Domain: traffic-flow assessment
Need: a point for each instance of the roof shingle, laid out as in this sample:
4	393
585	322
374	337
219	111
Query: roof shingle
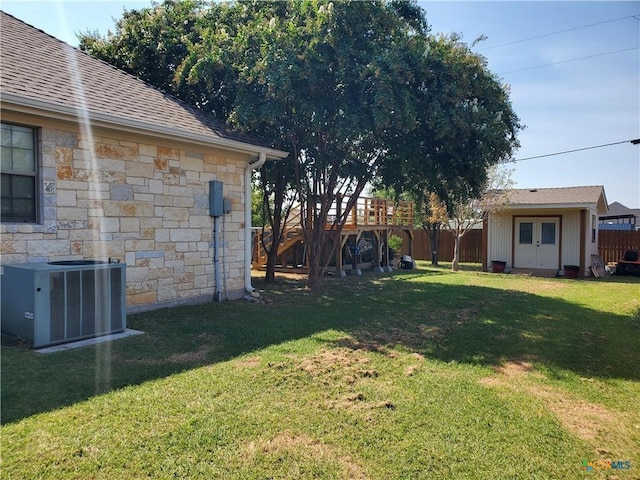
553	196
41	68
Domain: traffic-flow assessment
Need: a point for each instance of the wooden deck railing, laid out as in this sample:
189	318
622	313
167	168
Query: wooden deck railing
367	212
371	212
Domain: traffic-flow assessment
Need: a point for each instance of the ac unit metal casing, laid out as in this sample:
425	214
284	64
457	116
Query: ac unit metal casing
49	304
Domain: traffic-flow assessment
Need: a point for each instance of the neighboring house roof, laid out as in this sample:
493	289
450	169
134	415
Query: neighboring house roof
565	197
617	210
43	73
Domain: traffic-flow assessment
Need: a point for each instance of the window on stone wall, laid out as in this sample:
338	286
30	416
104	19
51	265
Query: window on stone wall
594	224
18	192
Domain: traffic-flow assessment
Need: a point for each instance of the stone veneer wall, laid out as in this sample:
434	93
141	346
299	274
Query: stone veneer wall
139	202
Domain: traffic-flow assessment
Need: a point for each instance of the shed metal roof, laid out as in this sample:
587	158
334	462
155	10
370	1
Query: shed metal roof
41	72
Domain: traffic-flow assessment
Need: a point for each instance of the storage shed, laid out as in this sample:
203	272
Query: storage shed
552	231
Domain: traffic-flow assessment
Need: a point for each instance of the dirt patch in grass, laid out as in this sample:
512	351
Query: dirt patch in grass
542	286
195	356
342	370
186	358
585	420
366	346
508	371
349	364
249	362
588	421
358	401
303	448
410	370
412	335
515	367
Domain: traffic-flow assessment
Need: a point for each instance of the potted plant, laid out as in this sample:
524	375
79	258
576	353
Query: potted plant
571	271
395	243
497	266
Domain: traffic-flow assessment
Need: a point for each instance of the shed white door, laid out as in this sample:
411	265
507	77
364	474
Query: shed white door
537	242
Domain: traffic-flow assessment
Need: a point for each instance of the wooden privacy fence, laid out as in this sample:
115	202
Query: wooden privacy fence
611	245
470	246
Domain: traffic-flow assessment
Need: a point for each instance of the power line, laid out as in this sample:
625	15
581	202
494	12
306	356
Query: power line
556	33
633	142
570	60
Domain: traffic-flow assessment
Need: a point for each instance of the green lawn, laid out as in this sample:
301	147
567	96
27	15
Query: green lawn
404	375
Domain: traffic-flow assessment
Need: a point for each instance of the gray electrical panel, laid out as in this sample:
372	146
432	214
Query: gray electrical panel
216	200
59	302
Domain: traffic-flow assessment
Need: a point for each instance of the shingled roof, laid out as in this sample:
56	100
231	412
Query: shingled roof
617	210
563	197
40	71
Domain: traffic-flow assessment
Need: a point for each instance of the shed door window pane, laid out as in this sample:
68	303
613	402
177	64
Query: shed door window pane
526	233
548	236
18	197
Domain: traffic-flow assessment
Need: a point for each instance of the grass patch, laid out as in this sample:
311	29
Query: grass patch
411	374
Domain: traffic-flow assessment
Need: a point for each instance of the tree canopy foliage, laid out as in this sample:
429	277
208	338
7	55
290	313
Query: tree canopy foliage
358	92
465	126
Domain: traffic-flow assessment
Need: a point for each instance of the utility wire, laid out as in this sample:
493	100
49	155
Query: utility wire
556	33
634	142
570	60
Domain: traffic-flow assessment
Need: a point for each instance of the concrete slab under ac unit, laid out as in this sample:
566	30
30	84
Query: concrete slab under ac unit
89	341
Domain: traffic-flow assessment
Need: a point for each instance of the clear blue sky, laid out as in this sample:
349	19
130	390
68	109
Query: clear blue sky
575	103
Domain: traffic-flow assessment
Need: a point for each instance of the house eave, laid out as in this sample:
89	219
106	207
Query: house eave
550	206
20	104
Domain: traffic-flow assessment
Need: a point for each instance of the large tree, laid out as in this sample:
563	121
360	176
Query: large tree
152	43
465	126
327	82
354	90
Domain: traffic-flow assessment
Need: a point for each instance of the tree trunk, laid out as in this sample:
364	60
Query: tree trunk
277	219
272	256
270	274
314	279
435	244
456	252
272	252
433	232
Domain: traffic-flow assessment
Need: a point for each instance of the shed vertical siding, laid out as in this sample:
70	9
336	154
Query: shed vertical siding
499	238
592	225
570	238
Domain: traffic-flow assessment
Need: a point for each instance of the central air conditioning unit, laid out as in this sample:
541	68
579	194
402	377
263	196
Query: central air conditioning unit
60	302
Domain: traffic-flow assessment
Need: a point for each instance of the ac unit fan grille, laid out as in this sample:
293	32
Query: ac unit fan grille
84	303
